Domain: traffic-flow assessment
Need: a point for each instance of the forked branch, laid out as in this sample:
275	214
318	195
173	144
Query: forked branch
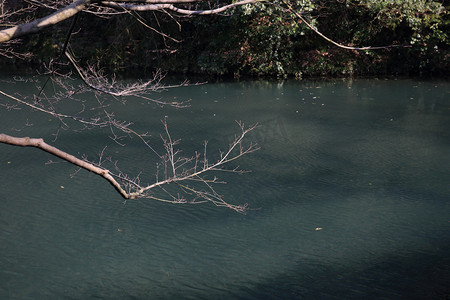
189	174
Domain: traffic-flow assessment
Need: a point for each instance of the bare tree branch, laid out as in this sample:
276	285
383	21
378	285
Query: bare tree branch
98	82
192	168
39	24
80	5
182	179
170	6
182	169
39	143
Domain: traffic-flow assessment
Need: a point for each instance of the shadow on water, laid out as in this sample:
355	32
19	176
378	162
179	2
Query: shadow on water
402	278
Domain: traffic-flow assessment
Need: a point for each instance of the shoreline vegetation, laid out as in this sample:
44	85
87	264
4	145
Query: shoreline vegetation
259	40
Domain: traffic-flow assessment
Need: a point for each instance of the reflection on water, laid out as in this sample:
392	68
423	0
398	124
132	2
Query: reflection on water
365	161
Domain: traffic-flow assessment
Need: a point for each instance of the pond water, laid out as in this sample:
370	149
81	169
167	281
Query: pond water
349	198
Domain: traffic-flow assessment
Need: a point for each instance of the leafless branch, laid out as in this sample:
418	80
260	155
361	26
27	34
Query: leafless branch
194	169
182	170
72	9
39	24
164	5
180	179
97	81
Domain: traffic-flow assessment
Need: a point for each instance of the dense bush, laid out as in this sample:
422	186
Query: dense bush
266	39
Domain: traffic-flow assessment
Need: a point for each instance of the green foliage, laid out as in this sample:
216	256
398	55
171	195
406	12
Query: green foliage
420	24
257	39
267	39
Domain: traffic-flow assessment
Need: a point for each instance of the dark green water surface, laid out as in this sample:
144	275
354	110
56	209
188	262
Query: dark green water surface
365	161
